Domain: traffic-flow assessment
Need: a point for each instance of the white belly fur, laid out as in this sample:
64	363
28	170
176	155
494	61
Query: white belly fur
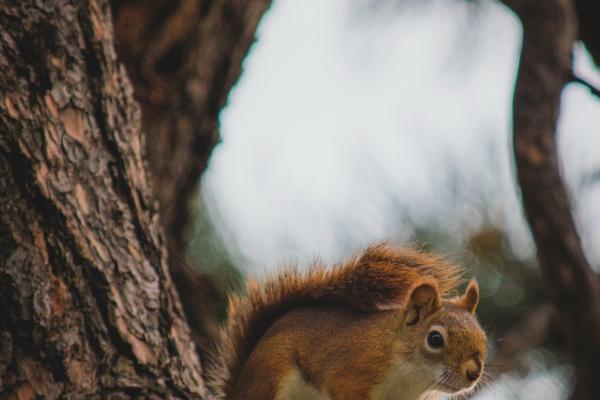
401	383
294	387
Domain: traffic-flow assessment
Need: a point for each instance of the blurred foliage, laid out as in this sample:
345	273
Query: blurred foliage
208	253
511	289
509	286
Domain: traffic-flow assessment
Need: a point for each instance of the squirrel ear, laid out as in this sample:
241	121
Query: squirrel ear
471	297
423	301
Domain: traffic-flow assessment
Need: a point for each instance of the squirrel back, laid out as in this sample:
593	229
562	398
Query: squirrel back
380	278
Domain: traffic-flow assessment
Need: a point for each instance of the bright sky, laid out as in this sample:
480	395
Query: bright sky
349	127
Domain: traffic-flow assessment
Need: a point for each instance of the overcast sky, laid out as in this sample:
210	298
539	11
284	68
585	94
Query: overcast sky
350	126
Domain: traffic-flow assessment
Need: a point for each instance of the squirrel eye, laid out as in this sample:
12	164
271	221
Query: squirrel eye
435	340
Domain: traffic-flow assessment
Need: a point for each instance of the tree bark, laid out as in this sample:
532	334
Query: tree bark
550	29
87	304
183	57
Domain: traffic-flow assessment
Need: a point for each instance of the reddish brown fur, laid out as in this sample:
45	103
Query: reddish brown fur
379	278
318	354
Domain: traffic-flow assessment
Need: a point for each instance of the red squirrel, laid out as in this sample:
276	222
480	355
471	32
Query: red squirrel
383	325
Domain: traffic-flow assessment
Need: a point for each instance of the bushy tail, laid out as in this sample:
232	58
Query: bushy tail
379	278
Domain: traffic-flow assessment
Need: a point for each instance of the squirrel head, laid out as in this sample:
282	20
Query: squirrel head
444	338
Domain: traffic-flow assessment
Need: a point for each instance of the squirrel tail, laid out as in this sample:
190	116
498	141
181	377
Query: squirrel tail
379	278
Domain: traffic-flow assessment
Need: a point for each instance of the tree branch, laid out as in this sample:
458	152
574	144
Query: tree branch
183	58
550	28
593	90
588	12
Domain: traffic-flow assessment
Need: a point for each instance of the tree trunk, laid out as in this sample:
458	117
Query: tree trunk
87	304
550	29
183	57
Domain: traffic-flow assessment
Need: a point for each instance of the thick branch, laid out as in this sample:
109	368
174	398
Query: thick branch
183	57
550	28
88	308
588	13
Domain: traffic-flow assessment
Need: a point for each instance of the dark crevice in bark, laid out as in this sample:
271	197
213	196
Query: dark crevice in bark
120	181
91	281
54	225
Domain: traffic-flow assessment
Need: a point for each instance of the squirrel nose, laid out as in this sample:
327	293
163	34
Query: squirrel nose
472	370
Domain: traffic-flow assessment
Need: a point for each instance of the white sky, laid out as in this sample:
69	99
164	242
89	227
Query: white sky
348	127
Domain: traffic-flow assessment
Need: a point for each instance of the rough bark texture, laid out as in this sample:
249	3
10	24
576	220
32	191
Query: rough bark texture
86	302
183	57
550	28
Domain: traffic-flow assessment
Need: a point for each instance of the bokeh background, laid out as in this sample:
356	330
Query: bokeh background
357	121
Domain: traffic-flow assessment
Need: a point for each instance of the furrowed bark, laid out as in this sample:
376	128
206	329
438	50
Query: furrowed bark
550	29
87	304
183	57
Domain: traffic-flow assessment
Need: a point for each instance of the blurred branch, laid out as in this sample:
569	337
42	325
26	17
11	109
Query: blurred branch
549	31
183	58
588	12
594	90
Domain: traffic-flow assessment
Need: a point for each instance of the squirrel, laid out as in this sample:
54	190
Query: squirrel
382	325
